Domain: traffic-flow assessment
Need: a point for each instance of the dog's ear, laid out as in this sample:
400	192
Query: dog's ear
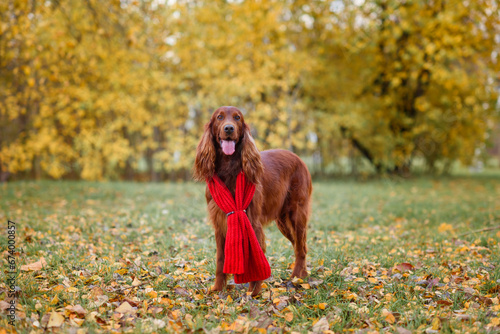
250	157
204	164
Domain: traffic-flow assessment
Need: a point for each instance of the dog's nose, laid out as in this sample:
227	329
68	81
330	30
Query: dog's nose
229	129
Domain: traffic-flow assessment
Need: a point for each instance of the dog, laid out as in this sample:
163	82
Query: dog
283	187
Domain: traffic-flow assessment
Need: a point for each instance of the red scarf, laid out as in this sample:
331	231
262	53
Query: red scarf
243	255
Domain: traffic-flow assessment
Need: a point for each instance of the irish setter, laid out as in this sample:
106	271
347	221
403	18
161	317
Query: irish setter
283	186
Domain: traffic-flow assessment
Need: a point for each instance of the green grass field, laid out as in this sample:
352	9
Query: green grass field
395	256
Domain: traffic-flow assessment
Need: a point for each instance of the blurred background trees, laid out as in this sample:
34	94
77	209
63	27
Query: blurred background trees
121	89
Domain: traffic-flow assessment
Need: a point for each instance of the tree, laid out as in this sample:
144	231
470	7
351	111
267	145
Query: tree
122	89
409	79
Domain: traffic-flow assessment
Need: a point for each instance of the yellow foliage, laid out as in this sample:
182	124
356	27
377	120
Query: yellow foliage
102	90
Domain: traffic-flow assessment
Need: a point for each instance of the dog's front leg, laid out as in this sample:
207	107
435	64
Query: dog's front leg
256	287
220	277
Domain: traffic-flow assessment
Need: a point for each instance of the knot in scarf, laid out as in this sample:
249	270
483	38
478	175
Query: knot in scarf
244	257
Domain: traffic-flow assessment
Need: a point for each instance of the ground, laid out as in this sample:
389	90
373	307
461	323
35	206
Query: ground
388	255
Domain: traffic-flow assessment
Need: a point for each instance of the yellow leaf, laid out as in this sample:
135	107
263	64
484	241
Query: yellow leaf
322	306
176	314
125	308
388	316
122	271
54	300
372	280
306	286
289	316
55	320
229	299
445	228
436	323
58	288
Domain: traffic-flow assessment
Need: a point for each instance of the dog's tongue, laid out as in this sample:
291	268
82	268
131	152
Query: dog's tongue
228	147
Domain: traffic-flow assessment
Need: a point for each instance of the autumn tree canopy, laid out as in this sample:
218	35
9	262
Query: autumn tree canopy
121	89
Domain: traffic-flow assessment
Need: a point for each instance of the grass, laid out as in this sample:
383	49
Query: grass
383	256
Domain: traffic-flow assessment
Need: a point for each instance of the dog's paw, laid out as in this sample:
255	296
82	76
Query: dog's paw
255	288
216	288
299	273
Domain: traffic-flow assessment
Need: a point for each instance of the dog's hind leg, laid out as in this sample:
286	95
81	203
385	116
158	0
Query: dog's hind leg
294	228
299	222
293	220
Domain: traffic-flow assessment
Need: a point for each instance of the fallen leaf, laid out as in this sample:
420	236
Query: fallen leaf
54	300
100	300
4	305
388	316
136	282
152	294
404	267
436	323
495	322
445	228
469	290
321	326
97	291
182	292
463	317
78	309
433	282
55	320
314	282
158	323
444	302
289	316
58	288
35	266
322	306
45	319
125	308
176	314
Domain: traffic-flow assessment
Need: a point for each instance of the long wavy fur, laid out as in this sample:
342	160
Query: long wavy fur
250	158
204	164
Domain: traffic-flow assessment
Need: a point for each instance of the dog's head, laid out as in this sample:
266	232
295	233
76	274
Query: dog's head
227	134
227	127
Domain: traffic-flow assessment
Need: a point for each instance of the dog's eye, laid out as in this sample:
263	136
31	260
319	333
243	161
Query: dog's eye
237	117
220	117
